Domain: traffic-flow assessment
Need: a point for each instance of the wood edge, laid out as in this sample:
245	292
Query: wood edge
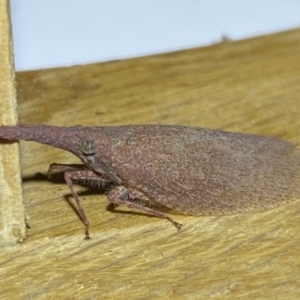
12	220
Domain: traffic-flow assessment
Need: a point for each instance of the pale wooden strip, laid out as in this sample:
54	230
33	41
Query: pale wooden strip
12	224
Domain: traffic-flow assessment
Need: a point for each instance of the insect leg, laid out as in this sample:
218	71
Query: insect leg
121	195
81	175
65	168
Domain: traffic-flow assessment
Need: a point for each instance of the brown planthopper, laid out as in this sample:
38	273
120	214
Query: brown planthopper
192	170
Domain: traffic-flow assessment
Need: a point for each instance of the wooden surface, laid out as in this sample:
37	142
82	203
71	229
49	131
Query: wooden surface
248	86
12	219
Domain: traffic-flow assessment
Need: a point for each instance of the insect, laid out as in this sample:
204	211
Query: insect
192	170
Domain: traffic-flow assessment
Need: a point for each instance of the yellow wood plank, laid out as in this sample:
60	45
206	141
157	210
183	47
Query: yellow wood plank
12	224
247	86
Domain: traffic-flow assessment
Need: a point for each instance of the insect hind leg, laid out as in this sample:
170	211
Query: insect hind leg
121	195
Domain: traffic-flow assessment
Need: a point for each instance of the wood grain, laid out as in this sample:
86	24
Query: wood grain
12	219
247	86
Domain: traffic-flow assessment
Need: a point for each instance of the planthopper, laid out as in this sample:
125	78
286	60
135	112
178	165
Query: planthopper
188	169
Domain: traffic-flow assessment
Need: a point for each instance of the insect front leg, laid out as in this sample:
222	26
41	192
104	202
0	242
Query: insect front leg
81	175
122	195
65	168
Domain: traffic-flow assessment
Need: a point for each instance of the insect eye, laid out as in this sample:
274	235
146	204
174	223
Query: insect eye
88	147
